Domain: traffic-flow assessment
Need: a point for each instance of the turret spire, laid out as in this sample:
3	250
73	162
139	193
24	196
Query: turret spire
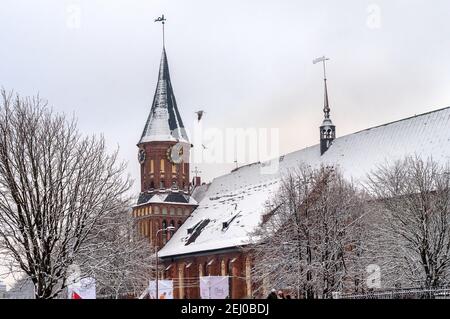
327	129
164	122
326	108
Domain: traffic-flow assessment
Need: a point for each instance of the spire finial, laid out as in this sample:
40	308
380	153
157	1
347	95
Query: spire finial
326	106
162	20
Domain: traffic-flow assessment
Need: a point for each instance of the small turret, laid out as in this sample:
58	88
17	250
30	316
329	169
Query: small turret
327	129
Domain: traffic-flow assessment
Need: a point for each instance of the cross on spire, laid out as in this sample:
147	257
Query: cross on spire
196	171
162	20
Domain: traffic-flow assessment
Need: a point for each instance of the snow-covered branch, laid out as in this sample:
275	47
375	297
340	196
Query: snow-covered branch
55	187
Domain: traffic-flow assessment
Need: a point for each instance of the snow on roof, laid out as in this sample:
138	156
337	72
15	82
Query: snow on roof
171	197
199	192
238	199
164	121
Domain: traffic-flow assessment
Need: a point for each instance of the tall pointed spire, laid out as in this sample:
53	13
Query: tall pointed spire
164	122
326	108
327	129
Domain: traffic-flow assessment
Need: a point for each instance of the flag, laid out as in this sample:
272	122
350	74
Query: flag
76	296
82	289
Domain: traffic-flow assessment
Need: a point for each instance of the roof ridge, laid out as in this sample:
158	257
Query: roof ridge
340	137
373	127
397	121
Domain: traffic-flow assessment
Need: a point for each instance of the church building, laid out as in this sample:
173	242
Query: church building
212	222
165	200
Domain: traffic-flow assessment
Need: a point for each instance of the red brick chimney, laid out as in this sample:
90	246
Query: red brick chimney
197	181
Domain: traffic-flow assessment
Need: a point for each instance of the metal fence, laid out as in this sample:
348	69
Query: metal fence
414	293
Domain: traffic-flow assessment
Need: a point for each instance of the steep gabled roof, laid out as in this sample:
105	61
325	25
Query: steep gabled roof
164	122
245	191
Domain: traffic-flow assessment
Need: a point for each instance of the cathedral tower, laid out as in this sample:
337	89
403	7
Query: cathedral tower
163	155
164	146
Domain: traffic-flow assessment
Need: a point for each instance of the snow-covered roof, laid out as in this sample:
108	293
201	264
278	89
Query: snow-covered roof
198	193
164	121
233	204
170	197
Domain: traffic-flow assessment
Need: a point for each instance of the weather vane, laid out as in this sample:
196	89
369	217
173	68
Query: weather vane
318	60
162	20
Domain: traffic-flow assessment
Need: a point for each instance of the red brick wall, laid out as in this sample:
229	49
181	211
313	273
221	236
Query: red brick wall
150	219
157	151
238	283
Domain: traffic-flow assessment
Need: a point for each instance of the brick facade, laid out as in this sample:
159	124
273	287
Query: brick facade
164	200
185	272
153	217
161	176
157	172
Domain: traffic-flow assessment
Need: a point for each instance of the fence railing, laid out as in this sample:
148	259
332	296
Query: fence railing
413	293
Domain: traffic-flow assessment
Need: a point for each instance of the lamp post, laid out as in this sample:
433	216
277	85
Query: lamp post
170	228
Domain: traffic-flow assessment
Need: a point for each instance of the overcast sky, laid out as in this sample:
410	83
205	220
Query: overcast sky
246	63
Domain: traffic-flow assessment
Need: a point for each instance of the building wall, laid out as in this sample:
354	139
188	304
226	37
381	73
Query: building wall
153	217
185	273
158	172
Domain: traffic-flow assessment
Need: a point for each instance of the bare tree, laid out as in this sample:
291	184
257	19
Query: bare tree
118	257
55	185
410	232
308	241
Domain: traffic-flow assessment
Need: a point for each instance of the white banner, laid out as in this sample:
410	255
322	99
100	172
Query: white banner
165	289
214	287
82	289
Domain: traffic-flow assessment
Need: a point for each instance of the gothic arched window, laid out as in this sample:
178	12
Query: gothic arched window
152	167
161	166
223	268
230	276
205	269
229	270
170	232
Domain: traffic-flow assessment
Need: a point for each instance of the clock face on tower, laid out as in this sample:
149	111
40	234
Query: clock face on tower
175	154
141	156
